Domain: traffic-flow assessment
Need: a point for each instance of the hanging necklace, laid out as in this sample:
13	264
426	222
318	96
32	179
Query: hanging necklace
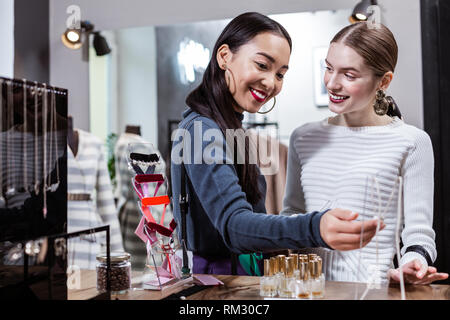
50	144
10	189
25	171
44	142
53	143
36	178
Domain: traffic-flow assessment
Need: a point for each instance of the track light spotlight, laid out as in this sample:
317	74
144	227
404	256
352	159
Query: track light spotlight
73	38
360	11
100	45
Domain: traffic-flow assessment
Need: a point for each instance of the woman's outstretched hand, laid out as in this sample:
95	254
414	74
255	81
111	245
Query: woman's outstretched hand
414	273
340	232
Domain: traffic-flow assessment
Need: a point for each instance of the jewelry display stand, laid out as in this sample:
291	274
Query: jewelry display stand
33	189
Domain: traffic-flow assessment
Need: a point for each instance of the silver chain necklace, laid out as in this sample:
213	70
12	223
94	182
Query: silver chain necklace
25	171
10	188
53	143
36	177
44	142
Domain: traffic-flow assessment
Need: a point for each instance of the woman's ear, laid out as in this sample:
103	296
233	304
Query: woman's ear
223	56
386	80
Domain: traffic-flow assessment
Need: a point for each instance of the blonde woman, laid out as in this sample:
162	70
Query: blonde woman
356	157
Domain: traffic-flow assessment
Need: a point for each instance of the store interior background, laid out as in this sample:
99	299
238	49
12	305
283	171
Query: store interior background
142	61
133	24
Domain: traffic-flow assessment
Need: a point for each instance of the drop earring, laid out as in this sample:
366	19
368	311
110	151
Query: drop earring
381	105
229	79
273	106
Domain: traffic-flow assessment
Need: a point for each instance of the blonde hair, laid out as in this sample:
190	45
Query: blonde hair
377	46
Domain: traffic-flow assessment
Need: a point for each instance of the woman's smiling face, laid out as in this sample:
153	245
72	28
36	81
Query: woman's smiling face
257	69
351	84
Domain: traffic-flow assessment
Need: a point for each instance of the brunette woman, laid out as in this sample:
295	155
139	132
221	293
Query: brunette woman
226	212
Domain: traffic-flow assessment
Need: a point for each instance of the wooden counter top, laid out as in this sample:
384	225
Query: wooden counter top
247	288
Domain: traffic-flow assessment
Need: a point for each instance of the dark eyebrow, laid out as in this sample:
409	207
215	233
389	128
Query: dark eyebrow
346	69
271	59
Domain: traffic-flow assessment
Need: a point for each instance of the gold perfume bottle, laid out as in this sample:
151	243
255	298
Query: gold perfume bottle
311	256
280	272
276	268
317	279
287	289
302	283
302	258
296	271
268	284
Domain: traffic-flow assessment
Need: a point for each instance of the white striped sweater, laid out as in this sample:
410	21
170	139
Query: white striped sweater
338	164
88	173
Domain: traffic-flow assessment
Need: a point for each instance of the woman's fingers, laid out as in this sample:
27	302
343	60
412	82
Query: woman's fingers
346	215
394	275
339	230
429	278
410	275
354	227
432	270
344	226
411	267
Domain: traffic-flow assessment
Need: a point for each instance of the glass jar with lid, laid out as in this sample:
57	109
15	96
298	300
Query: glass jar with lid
120	272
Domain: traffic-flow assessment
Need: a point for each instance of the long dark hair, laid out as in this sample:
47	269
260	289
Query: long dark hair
378	48
212	97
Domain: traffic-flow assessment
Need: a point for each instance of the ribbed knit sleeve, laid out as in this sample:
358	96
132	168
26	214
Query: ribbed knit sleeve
418	188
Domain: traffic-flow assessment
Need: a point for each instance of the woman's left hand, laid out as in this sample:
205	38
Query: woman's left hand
413	274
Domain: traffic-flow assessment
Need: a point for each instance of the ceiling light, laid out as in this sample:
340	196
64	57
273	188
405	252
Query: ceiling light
72	38
100	45
75	38
360	11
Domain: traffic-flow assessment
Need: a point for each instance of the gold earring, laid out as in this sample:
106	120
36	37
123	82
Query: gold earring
273	106
381	105
229	79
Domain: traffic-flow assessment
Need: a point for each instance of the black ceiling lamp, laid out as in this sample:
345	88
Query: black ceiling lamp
360	11
100	44
75	38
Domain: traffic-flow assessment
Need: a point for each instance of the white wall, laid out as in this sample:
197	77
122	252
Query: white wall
99	88
296	104
7	38
67	70
406	87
